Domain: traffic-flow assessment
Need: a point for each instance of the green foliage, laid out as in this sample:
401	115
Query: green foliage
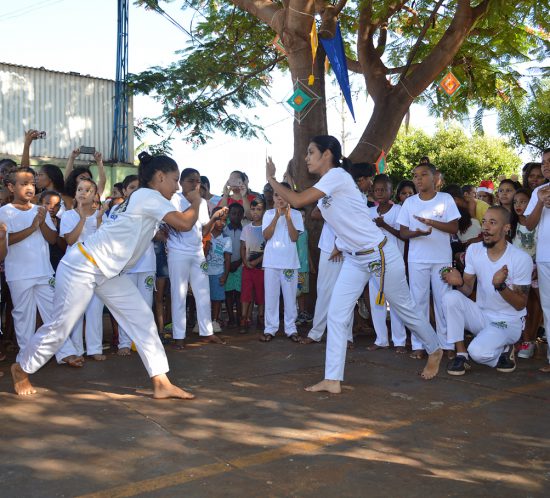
461	158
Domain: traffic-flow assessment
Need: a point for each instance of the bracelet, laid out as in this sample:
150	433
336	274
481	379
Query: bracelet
500	287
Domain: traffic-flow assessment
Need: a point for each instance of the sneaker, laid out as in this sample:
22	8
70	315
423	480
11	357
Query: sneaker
458	366
362	309
216	326
526	350
506	362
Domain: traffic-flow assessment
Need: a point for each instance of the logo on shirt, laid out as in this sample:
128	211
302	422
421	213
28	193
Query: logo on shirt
51	282
204	267
288	274
149	282
500	325
326	201
375	267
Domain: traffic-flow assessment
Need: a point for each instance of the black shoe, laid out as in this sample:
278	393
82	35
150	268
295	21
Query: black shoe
458	365
506	362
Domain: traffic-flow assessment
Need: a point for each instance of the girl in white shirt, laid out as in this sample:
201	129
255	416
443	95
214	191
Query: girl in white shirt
281	227
97	266
76	226
367	254
187	265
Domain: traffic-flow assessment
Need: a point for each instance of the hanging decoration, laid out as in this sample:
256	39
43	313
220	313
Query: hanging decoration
381	163
301	100
314	44
334	48
278	44
450	84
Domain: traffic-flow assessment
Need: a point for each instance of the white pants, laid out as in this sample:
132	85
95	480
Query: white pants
326	278
94	329
421	275
27	295
355	274
276	280
543	271
77	280
182	270
378	315
145	283
492	338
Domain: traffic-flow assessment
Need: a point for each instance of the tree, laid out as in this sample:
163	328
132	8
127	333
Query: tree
462	159
401	48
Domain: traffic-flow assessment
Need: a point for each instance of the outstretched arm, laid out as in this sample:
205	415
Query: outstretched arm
30	136
70	162
102	180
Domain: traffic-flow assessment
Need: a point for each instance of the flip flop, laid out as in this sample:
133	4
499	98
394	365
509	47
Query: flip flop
266	338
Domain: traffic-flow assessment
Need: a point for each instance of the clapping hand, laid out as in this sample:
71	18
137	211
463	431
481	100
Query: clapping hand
270	169
500	276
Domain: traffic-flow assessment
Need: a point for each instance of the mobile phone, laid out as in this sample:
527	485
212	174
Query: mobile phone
87	150
41	134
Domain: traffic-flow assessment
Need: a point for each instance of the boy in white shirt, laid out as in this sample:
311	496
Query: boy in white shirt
496	318
218	258
538	215
281	227
29	273
427	220
385	216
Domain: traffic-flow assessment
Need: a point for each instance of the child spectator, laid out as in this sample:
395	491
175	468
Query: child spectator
51	200
505	194
233	230
385	217
485	192
532	176
306	266
116	191
211	199
404	190
252	253
281	227
218	258
29	273
427	220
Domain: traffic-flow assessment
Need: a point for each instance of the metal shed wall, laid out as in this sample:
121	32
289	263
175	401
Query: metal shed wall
74	110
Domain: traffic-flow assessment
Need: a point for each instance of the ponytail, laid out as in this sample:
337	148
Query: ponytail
149	165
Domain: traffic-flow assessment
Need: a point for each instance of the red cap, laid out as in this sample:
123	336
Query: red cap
486	186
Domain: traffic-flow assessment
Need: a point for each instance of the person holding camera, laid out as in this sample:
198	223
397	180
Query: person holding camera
236	190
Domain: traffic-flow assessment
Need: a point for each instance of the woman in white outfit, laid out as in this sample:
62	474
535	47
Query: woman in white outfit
98	267
366	256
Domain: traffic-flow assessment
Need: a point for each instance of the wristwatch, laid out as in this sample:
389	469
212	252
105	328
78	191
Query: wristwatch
501	287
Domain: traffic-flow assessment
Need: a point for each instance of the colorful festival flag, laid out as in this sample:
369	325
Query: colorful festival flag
381	163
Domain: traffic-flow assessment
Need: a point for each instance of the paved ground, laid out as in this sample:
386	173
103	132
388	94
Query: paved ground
253	431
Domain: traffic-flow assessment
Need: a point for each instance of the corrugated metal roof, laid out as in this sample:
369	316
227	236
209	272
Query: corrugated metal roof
42	68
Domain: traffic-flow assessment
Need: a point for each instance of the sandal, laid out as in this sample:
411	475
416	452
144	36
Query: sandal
400	349
294	337
417	354
375	347
266	338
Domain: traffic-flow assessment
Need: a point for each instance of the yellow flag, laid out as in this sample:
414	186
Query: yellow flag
314	45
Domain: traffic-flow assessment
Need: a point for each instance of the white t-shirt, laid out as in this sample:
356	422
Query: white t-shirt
327	239
543	228
471	232
520	267
70	219
253	237
118	245
436	247
216	255
344	208
29	258
391	219
281	252
187	242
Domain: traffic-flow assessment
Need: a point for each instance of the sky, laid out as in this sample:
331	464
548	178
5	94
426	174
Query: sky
80	36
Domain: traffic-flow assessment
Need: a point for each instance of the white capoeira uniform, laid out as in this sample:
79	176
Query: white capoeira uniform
281	265
542	258
428	255
97	266
378	311
94	311
30	277
367	255
326	278
187	265
495	323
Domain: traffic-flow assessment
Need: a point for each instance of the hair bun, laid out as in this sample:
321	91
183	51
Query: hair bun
144	157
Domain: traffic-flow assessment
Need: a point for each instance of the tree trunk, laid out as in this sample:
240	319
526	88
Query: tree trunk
382	128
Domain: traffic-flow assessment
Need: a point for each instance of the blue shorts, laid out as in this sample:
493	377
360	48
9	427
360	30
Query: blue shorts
162	260
217	291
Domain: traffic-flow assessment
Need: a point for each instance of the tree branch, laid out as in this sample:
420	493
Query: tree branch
264	10
354	66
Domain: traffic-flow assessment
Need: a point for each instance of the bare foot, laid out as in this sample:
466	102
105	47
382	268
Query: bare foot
417	354
400	349
329	386
432	365
99	357
351	345
164	389
21	383
124	352
308	340
214	339
545	369
73	361
376	347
